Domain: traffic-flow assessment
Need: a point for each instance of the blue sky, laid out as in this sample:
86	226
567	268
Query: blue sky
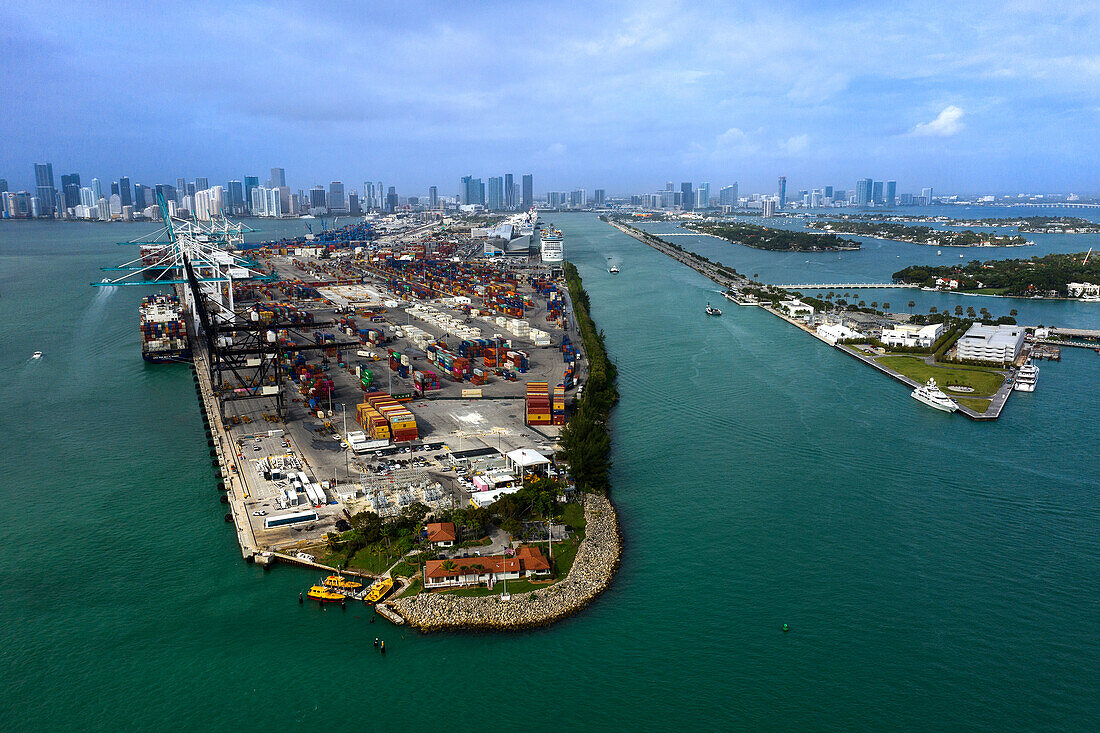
962	96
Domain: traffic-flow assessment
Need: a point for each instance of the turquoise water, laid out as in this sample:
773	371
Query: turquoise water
936	573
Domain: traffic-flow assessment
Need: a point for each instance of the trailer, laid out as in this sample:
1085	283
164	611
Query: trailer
282	520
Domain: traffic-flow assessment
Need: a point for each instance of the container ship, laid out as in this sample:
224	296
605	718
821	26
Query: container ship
163	330
553	248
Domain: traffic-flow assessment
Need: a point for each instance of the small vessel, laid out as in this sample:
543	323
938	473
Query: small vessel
36	355
932	396
325	595
339	581
1026	378
379	590
712	311
938	252
613	270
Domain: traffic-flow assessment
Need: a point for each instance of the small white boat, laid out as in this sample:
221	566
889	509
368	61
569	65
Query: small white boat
613	270
932	396
37	355
712	311
938	252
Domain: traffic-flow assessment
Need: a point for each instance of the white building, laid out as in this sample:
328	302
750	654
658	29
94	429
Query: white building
905	334
209	203
833	332
1000	344
795	308
1078	290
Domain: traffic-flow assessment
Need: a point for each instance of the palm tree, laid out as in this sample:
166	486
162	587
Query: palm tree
861	304
886	306
911	304
874	304
970	312
1012	313
448	565
958	310
933	309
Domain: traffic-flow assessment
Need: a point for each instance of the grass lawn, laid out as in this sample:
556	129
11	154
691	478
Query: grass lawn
405	569
978	406
413	589
375	559
986	291
564	554
982	381
573	515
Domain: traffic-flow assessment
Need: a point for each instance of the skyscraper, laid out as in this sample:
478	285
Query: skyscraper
828	192
201	184
336	203
528	198
509	191
44	188
891	192
702	196
687	197
234	192
368	196
391	198
317	199
728	196
278	177
496	194
250	183
876	192
70	189
782	192
598	197
473	190
353	203
433	197
926	196
166	190
863	191
125	193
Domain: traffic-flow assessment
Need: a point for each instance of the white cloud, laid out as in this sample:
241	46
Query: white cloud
733	141
948	123
796	144
556	149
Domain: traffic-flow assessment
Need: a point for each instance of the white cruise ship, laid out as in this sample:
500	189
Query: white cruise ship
1026	378
931	395
553	247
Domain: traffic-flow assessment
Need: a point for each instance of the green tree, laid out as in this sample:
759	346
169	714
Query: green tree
911	304
958	310
970	312
1013	313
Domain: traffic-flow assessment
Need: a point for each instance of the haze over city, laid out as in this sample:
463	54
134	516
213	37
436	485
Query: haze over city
622	96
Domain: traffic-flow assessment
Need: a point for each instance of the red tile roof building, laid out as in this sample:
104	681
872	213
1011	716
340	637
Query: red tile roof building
460	571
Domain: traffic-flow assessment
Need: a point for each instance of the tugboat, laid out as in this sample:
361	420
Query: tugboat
712	311
324	595
379	590
339	581
932	396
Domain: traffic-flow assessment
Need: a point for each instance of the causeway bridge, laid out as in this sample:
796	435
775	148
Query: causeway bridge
844	286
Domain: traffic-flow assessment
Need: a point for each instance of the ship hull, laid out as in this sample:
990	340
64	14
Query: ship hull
934	405
166	357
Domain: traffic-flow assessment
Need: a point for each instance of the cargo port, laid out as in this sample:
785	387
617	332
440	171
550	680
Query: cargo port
373	370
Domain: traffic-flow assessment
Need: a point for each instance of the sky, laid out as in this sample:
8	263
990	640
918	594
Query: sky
967	97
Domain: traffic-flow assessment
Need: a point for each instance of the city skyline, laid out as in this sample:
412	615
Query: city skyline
625	95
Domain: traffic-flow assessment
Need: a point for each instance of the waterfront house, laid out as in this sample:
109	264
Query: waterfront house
905	334
440	534
528	562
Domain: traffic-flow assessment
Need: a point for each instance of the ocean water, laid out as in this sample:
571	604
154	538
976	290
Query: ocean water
935	573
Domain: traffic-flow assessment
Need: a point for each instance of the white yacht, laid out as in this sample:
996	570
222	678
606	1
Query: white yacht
37	355
712	311
1026	378
613	270
931	395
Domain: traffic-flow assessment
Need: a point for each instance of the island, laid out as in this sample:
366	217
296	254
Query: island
1053	275
917	234
1027	224
776	240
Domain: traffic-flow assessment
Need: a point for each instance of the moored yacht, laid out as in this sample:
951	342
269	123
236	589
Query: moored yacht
1026	378
932	396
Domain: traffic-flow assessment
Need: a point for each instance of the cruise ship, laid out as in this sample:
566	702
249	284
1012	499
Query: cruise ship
1026	378
163	330
931	395
553	248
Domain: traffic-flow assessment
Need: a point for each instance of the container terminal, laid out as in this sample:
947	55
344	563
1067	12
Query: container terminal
364	368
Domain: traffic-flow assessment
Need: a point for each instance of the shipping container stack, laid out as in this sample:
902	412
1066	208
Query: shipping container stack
426	381
538	407
399	363
399	419
452	365
558	411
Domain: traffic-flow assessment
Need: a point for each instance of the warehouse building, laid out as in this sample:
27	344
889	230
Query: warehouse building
1000	344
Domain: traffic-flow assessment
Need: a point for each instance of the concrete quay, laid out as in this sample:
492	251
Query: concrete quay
593	568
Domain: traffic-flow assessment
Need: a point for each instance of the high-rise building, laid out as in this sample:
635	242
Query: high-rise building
891	193
687	196
353	203
114	190
767	206
336	202
167	190
728	196
876	192
234	193
599	196
433	198
864	188
509	192
473	190
278	178
250	183
528	197
391	198
3	185
368	196
828	192
317	199
926	196
44	188
201	184
70	189
496	194
702	196
782	192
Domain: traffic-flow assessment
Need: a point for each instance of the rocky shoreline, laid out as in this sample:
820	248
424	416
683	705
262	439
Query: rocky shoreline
593	568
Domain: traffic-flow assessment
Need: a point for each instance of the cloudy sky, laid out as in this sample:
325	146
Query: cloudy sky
963	96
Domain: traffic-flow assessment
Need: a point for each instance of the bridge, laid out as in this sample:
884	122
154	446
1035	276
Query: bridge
844	286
